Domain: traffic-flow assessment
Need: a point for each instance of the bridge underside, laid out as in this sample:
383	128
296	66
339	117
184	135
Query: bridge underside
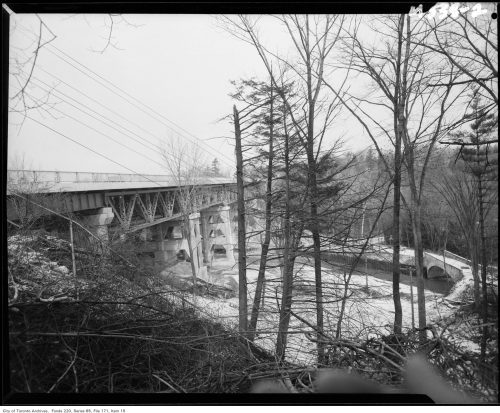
437	272
199	239
437	266
134	209
155	214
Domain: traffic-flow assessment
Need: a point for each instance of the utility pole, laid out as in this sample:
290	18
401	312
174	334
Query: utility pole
73	258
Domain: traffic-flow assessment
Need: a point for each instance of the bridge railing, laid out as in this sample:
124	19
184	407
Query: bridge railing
456	257
20	176
23	176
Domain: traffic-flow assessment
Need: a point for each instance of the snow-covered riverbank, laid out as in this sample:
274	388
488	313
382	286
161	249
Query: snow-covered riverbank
368	312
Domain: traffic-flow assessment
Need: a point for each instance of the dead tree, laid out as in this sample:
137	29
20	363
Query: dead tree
242	258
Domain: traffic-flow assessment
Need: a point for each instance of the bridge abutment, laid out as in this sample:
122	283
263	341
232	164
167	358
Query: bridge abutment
98	223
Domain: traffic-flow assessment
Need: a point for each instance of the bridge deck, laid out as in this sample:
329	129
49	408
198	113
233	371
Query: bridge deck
54	181
448	261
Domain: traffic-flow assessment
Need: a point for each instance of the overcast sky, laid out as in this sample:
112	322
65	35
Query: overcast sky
180	66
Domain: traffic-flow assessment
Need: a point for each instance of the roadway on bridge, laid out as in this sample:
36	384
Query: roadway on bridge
54	181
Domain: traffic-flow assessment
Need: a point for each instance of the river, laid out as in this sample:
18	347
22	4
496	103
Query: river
441	285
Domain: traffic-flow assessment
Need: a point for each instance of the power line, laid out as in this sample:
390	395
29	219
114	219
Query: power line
23	28
140	102
37	80
90	149
93	151
101	133
102	104
178	158
97	113
96	101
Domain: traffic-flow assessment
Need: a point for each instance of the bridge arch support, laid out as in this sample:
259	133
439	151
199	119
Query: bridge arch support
435	266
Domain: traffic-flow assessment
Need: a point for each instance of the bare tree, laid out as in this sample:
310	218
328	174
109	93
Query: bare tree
483	127
259	124
22	66
460	193
421	114
313	39
24	181
470	44
25	55
182	161
242	252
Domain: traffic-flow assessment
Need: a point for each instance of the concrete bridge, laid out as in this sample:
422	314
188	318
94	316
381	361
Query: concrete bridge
452	265
148	204
435	264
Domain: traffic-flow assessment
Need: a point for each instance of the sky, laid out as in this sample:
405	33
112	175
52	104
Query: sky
113	104
174	72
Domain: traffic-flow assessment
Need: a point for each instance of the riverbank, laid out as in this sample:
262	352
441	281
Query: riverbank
369	311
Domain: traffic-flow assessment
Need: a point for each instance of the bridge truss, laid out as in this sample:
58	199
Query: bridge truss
139	209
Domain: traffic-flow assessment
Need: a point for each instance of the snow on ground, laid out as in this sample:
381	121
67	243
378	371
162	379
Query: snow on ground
382	252
368	313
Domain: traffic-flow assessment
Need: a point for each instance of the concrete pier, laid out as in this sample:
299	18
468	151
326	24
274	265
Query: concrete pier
98	222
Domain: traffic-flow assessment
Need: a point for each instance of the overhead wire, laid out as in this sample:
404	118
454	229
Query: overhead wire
97	131
96	152
155	147
96	101
37	80
50	46
30	33
91	150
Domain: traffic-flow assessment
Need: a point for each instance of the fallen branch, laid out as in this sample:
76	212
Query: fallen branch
16	290
64	374
166	383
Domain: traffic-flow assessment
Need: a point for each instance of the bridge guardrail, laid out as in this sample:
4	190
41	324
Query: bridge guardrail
20	176
456	257
449	254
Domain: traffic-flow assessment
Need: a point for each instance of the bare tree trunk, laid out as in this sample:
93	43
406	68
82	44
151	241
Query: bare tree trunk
185	170
287	286
187	232
419	265
313	188
287	291
399	128
396	243
242	259
415	203
316	252
267	232
484	264
73	258
475	274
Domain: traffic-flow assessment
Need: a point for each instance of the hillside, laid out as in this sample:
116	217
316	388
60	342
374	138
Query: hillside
116	329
